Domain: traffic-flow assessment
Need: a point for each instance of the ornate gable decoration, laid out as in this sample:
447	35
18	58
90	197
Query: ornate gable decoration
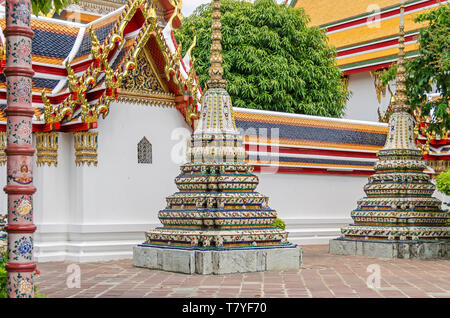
144	79
101	6
144	86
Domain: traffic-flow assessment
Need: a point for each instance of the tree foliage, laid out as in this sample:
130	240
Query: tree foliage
279	223
45	6
3	274
430	71
272	59
443	182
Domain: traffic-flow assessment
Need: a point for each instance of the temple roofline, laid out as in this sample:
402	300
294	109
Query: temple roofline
310	117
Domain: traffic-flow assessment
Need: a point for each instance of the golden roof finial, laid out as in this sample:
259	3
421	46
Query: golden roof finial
400	94
216	70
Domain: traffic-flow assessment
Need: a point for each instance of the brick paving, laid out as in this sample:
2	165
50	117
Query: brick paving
321	276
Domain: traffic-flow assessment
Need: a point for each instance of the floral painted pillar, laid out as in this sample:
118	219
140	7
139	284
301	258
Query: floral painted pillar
19	149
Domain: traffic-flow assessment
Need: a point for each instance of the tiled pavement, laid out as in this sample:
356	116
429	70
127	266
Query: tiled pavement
321	275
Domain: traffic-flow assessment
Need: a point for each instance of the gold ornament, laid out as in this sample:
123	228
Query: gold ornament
47	148
85	144
2	147
379	87
438	166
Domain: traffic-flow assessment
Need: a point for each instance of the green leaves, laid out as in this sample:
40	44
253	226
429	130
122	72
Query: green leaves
45	6
279	224
272	60
430	71
443	182
3	275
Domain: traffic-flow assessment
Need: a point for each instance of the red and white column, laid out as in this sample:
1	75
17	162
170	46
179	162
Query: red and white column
19	150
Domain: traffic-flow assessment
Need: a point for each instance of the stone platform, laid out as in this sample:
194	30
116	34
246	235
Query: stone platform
223	261
386	249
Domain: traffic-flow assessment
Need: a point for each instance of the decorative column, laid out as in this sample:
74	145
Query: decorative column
19	149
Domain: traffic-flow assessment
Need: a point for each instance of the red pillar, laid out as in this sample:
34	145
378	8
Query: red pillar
19	150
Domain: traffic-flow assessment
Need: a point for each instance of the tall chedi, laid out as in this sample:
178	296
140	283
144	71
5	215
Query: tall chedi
217	223
399	218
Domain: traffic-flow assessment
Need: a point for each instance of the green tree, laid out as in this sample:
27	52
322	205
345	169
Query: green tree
272	59
45	6
3	274
443	185
430	71
443	182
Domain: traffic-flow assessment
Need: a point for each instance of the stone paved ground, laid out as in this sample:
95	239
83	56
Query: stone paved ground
321	275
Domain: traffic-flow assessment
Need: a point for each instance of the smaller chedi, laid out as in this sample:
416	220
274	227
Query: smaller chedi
399	218
217	223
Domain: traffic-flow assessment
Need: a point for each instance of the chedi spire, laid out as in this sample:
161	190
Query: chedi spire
216	70
216	209
400	93
399	207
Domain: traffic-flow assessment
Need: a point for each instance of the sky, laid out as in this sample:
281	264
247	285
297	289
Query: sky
190	5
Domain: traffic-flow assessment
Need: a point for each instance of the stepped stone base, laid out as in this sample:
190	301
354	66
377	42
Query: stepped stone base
226	261
386	249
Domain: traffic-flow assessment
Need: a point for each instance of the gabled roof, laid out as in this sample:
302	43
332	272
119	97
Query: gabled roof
365	33
293	143
309	144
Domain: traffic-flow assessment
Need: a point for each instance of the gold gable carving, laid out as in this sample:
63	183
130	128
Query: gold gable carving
144	86
107	6
143	79
101	6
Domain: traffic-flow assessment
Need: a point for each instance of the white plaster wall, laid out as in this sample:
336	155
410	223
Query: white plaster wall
363	102
51	202
100	213
120	190
314	207
93	213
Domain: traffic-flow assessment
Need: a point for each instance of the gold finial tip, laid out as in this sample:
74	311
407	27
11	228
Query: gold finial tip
216	69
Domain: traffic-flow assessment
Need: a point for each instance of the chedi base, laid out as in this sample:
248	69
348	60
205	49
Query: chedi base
394	249
217	261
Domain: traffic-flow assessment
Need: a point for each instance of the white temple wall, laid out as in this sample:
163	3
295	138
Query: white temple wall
93	213
51	202
98	213
363	102
314	207
101	212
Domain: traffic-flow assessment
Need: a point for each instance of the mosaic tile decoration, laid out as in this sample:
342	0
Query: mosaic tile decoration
3	237
217	206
